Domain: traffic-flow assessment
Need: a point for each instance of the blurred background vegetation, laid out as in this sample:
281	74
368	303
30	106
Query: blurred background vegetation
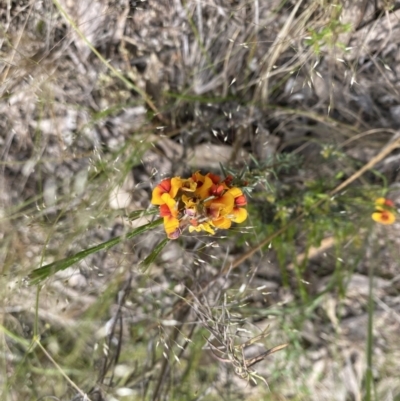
101	100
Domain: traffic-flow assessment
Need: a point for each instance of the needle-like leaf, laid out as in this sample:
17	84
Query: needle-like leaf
43	272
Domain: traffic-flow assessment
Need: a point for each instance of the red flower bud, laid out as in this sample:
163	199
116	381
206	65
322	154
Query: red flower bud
241	201
214	178
228	180
217	190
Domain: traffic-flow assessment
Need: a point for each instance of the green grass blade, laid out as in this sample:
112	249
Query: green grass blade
370	336
150	259
21	341
43	272
141	213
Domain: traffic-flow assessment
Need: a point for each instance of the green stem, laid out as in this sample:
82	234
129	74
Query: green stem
368	374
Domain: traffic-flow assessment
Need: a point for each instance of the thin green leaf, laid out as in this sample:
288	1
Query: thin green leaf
369	378
141	213
21	341
150	259
43	272
200	99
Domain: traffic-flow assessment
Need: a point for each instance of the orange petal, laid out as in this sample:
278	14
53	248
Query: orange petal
239	215
164	211
223	205
384	217
222	222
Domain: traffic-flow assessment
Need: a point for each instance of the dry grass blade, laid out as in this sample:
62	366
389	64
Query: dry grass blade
259	358
106	63
276	49
14	51
58	367
222	340
109	363
394	144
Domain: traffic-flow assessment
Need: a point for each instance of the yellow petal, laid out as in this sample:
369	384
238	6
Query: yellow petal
379	203
175	235
202	227
223	223
189	185
197	176
167	200
189	202
239	215
235	192
170	224
384	217
222	205
156	196
203	192
193	228
206	227
176	185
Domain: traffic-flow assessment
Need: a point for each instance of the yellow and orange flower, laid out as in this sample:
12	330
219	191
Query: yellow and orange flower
239	212
381	203
384	211
171	221
200	202
166	190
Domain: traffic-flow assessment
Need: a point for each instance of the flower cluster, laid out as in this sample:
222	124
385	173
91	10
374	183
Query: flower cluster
384	211
200	202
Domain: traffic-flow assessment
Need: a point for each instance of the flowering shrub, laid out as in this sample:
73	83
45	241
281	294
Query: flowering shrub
384	211
200	202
